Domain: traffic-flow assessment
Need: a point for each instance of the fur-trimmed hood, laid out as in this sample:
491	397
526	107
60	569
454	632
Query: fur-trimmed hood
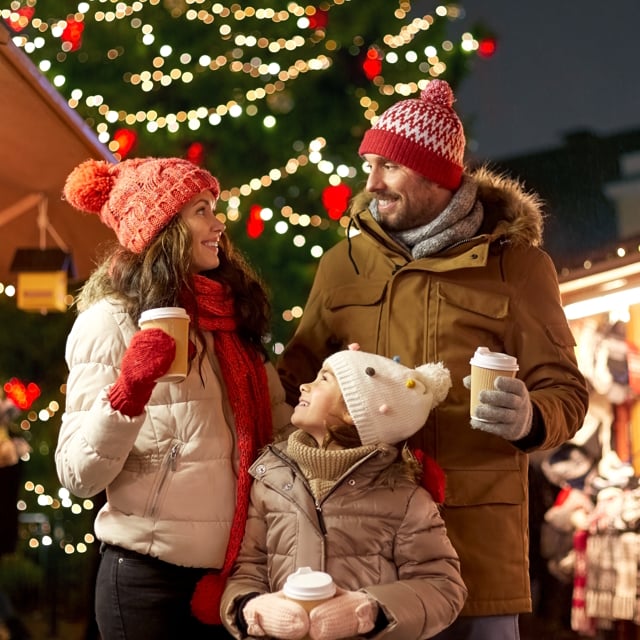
511	212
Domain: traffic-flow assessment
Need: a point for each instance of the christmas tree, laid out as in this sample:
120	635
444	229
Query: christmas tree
273	99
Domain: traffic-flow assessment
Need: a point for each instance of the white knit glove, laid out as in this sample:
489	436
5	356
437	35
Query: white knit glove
348	614
505	411
274	615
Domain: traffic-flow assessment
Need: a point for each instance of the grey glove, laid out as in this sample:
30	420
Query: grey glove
506	411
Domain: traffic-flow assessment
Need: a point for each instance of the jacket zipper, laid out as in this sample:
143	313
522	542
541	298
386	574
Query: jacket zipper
319	514
321	524
169	465
338	482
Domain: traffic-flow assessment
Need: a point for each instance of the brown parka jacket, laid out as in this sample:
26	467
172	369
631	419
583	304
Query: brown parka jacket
498	289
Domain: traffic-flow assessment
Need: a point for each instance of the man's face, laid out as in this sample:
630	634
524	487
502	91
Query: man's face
406	199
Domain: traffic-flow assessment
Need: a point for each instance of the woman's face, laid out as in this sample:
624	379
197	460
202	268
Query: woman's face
320	404
206	230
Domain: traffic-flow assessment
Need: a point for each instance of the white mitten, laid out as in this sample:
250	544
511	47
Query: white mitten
274	615
505	411
348	614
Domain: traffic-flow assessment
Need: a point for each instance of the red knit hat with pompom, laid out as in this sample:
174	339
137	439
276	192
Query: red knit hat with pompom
425	135
137	198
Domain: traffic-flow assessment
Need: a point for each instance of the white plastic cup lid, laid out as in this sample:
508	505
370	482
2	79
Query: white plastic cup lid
487	359
161	313
306	584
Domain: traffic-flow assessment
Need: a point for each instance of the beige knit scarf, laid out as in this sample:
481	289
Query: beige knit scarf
322	467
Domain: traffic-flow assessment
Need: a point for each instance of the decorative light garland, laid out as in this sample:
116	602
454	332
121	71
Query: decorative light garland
22	395
243	46
253	56
250	56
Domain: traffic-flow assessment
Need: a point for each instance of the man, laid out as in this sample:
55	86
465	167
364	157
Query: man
448	260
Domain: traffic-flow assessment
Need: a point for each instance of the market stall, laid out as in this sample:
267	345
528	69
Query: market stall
43	139
591	532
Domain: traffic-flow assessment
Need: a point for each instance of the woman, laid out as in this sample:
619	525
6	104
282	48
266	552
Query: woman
172	457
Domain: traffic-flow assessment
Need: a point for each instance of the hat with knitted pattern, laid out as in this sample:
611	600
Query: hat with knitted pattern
423	134
137	198
387	401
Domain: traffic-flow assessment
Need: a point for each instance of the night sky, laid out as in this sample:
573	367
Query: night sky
560	66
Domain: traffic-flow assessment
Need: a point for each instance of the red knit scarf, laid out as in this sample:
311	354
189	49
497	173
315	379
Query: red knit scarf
245	380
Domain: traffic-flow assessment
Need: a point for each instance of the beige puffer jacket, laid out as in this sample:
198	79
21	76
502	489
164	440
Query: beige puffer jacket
168	473
376	530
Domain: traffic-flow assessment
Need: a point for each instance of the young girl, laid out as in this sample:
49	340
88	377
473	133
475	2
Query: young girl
341	497
173	457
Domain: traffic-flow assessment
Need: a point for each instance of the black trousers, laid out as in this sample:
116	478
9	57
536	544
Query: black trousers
141	598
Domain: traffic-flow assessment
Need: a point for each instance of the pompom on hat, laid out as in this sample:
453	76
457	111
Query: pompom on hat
387	401
423	134
137	198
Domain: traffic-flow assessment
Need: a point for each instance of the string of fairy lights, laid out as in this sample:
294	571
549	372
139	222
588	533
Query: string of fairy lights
244	57
42	535
257	57
251	57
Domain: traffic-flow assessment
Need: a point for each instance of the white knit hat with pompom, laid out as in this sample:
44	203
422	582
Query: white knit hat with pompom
387	401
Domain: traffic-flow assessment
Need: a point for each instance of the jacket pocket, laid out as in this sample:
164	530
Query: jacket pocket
491	306
356	310
475	487
163	480
353	295
560	334
465	319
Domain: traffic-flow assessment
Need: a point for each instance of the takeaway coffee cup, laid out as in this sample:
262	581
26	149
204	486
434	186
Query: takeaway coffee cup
486	366
175	321
309	588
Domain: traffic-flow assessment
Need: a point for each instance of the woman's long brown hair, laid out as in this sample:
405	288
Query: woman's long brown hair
160	276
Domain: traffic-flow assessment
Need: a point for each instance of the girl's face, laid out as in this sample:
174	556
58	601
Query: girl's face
206	231
320	404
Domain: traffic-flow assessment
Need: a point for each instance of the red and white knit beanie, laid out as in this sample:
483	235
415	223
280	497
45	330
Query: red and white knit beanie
137	198
387	401
425	135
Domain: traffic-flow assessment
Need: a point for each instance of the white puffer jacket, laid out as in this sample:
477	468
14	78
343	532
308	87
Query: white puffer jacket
168	473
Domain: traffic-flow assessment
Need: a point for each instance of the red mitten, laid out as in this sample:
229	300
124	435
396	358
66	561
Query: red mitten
146	359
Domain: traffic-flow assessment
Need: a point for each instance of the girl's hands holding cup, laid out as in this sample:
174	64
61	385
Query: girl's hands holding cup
274	615
349	613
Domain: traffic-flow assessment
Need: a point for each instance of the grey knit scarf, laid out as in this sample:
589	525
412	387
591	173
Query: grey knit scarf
460	220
